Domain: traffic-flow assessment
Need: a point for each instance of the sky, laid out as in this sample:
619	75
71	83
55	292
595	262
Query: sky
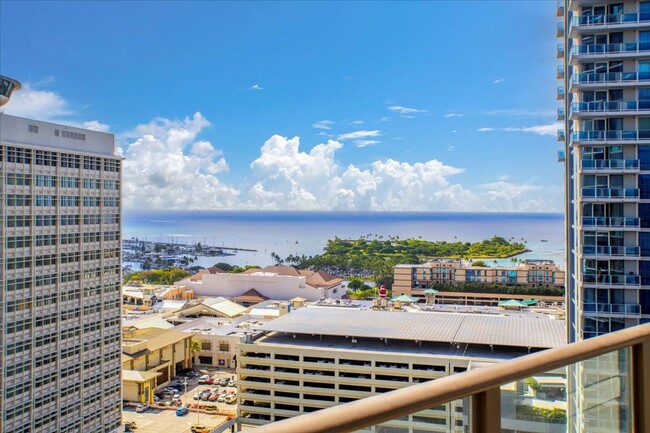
395	106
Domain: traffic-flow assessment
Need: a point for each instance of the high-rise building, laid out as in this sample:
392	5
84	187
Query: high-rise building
60	363
605	51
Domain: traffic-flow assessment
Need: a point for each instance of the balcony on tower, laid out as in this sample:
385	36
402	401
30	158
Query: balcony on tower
608	51
560	114
560	93
619	223
606	309
609	194
560	72
559	9
605	108
617	79
607	251
560	156
612	137
604	279
610	22
560	51
610	166
559	29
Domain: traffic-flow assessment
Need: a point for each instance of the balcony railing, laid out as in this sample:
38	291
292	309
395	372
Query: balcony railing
609	164
600	20
482	387
560	135
610	193
622	48
610	77
615	106
626	135
560	72
613	222
611	280
625	251
627	309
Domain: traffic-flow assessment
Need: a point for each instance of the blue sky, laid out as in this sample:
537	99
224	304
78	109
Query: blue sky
395	105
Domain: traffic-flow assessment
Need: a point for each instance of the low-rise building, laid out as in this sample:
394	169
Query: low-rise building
151	357
143	297
317	357
412	280
273	282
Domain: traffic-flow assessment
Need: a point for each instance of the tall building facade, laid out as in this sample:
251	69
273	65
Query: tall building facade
605	73
60	365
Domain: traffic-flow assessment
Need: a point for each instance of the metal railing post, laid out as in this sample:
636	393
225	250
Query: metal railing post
485	415
641	387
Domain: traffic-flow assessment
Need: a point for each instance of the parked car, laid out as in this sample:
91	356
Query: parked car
177	395
214	396
223	381
129	426
177	402
230	399
198	428
182	411
141	407
231	382
205	396
209	381
203	378
221	398
197	396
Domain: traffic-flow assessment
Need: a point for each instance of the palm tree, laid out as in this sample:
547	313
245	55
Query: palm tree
195	347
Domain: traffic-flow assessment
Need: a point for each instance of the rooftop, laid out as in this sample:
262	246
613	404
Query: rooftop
514	330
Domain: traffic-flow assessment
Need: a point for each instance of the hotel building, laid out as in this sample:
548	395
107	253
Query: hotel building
605	73
412	280
319	357
60	361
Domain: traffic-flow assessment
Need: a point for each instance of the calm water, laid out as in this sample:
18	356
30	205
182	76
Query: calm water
306	232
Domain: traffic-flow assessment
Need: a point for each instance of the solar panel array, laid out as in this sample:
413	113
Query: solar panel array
517	330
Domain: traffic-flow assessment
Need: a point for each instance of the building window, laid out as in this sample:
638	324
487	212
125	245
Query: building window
224	347
206	345
33	128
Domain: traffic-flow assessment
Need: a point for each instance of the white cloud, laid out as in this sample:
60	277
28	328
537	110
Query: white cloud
405	110
454	115
357	122
550	129
47	106
37	104
359	135
256	87
365	143
323	124
166	167
498	81
384	119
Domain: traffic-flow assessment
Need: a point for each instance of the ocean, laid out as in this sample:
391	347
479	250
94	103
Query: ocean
298	233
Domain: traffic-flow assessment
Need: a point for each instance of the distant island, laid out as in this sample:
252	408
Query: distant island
375	256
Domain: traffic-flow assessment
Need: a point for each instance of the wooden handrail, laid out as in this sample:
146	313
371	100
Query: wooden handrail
384	407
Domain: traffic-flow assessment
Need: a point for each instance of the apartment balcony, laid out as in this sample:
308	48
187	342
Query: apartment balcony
593	52
560	93
560	114
560	51
611	309
494	403
560	156
604	194
605	23
560	135
613	79
614	281
610	108
559	10
612	137
596	251
559	30
618	223
560	72
610	165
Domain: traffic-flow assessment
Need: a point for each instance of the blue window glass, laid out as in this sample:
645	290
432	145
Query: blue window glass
644	243
644	215
644	185
644	271
644	299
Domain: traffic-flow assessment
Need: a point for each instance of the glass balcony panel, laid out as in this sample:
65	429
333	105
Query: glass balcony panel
597	392
617	222
627	135
609	164
614	280
450	417
610	193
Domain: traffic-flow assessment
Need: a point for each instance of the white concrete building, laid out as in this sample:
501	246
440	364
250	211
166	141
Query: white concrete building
60	287
274	282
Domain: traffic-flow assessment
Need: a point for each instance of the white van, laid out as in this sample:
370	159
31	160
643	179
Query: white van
204	378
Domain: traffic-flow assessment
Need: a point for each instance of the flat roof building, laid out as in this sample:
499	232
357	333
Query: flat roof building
317	357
